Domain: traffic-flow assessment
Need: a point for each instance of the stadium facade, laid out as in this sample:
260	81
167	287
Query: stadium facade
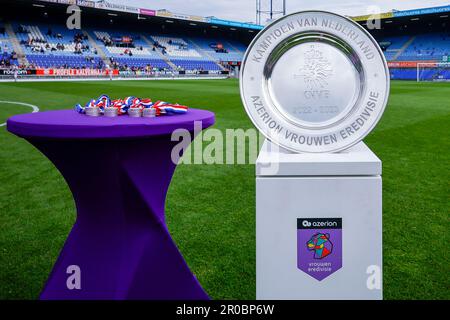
125	41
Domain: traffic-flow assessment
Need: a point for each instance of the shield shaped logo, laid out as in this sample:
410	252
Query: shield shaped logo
319	246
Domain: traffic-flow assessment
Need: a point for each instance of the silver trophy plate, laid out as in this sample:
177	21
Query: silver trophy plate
314	81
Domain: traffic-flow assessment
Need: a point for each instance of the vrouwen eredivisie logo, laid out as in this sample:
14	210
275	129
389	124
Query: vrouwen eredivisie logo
319	246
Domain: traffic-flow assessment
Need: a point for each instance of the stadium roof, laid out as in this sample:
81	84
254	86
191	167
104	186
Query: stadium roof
105	5
403	13
142	13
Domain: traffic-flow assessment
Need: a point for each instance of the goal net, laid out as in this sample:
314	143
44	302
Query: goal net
436	71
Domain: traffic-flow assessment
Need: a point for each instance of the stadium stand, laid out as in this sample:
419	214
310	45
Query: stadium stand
132	45
136	46
55	61
56	40
218	49
425	47
200	65
175	48
430	46
55	46
128	50
8	57
157	51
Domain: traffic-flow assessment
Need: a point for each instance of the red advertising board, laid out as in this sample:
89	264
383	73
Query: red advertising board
408	64
74	72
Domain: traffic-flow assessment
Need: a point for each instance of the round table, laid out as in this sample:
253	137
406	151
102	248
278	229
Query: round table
119	170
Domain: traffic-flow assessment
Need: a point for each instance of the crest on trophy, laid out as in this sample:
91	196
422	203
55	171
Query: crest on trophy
315	70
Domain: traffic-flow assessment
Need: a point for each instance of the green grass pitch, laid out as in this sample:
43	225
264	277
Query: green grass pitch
211	208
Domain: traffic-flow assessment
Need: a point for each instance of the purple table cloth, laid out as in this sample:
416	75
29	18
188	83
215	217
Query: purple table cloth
119	170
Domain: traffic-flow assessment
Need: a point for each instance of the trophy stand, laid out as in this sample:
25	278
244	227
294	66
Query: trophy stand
318	224
317	91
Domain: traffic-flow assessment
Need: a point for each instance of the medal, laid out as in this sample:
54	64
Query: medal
133	106
149	112
92	111
110	112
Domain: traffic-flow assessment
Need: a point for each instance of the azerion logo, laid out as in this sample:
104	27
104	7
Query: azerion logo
319	246
306	223
318	223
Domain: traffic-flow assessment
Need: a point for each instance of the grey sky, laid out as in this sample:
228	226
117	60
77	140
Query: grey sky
244	10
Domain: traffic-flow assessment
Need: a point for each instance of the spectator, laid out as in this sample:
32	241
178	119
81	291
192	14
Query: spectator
78	48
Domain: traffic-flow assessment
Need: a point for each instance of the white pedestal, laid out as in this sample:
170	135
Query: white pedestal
315	212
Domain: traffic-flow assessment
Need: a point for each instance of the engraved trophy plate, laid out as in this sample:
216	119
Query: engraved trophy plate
314	81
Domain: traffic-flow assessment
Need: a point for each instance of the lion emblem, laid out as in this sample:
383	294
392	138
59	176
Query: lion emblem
315	70
321	245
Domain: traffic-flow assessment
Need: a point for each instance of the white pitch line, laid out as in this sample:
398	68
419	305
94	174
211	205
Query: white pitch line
32	106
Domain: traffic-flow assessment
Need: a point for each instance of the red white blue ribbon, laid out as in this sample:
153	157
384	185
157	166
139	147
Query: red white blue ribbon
136	103
81	109
103	102
120	105
146	103
168	108
128	101
161	107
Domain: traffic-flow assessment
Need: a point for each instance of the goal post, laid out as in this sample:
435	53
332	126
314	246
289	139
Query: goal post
433	71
